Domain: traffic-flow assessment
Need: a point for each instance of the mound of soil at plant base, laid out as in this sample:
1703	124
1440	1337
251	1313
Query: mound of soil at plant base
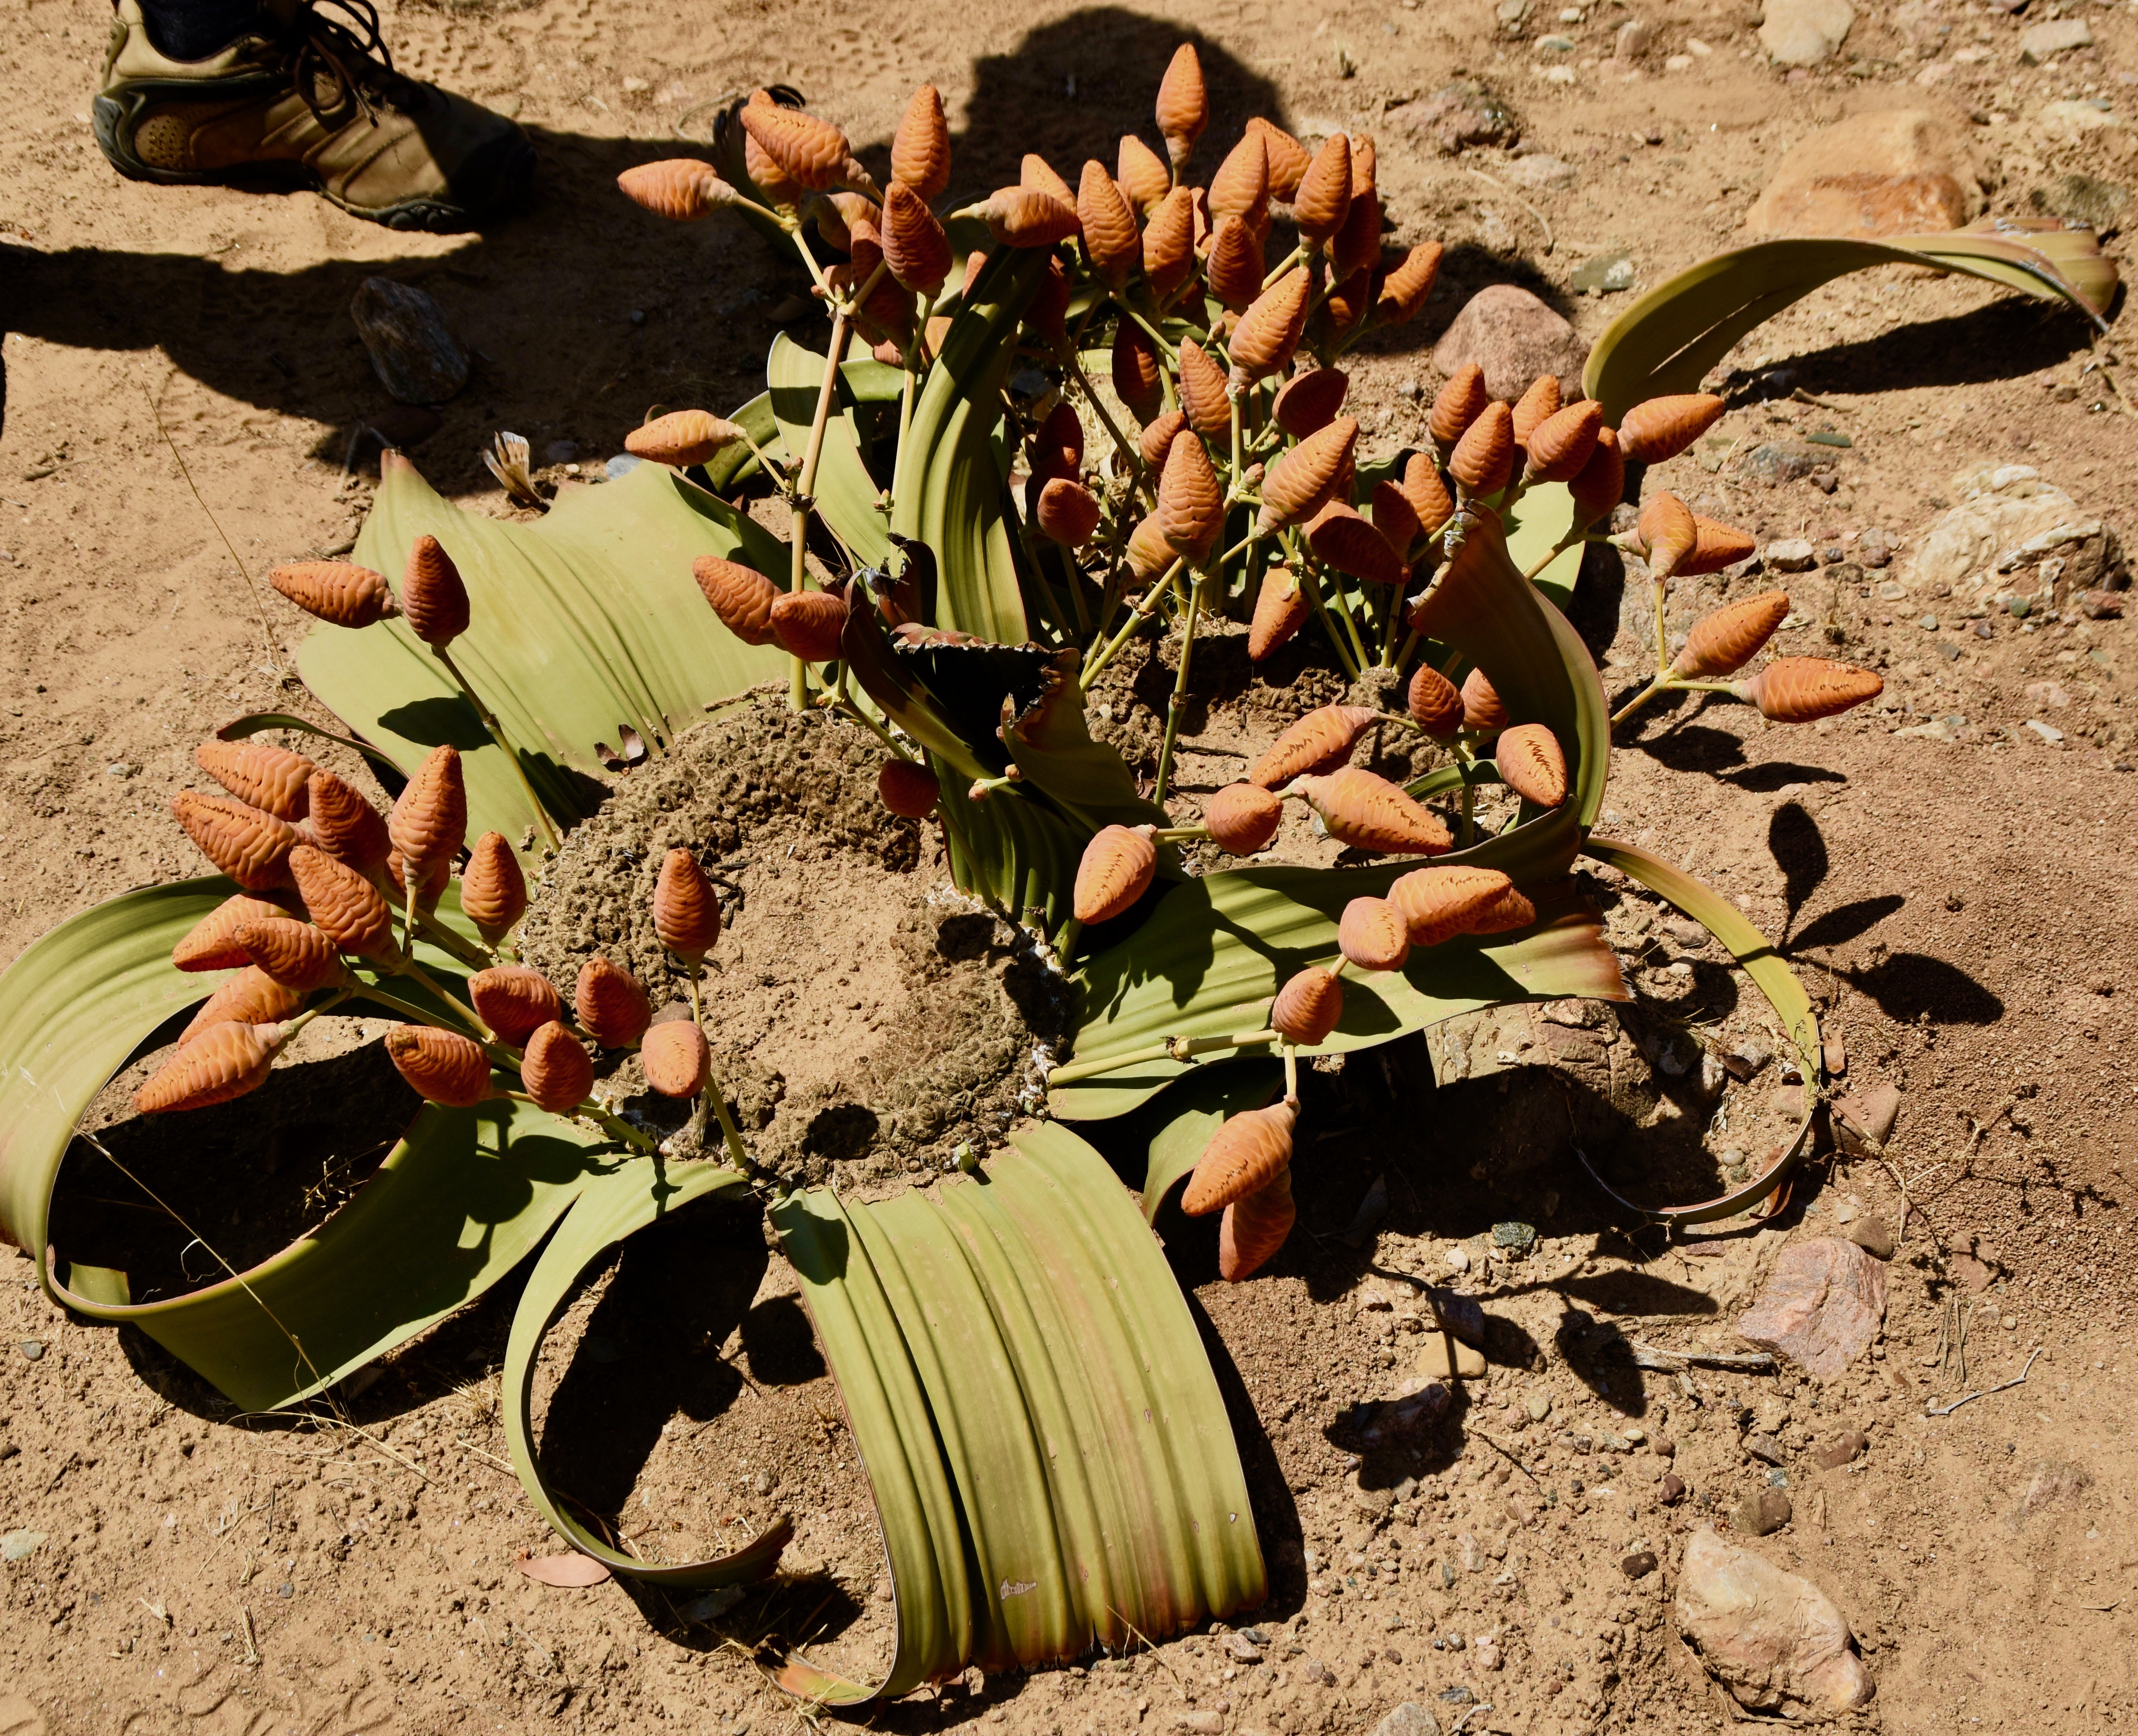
858	1007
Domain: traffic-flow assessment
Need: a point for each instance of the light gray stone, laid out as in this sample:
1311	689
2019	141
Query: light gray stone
2040	42
1409	1718
1803	32
1790	554
1772	1639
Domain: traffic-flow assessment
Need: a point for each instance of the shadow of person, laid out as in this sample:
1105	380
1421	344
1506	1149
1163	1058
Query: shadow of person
579	311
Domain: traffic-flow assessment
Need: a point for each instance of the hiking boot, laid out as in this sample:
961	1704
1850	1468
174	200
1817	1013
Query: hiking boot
307	101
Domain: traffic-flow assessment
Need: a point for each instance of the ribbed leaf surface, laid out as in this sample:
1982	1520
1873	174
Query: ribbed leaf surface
1048	1448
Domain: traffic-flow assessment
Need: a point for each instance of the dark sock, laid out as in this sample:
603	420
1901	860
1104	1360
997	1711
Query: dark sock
192	29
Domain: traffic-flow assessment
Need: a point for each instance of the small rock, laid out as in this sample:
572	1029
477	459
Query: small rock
1861	1122
1514	337
1766	1449
1974	1277
1407	1415
1790	555
1372	1503
1671	1490
2047	1482
1844	1449
416	359
1639	1565
1803	32
1517	1238
1457	1258
1409	1718
1485	1652
1821	1307
33	1350
1636	37
1607	274
1772	1639
712	1605
1873	549
1764	1511
1895	172
1539	1406
1745	1059
2100	605
1871	1235
2040	42
1462	1315
2048	732
1240	1649
19	1545
1442	1357
1775	464
1200	1723
1461	114
1541	171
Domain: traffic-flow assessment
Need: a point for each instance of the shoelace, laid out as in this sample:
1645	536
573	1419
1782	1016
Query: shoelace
330	46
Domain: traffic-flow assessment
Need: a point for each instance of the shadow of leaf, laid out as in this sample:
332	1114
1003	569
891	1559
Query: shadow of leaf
1847	921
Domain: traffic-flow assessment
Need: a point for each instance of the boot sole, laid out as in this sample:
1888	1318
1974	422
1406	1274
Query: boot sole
109	118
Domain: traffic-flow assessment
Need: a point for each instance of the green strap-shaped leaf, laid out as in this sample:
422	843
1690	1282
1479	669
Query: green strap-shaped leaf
1047	1446
584	623
1534	525
1771	975
845	492
463	1197
635	1192
950	496
1669	340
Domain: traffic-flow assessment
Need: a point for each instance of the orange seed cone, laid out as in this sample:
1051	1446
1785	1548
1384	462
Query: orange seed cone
1183	108
1435	703
1323	199
741	595
1598	487
1203	397
1341	537
1725	642
1137	375
344	903
1561	444
1270	328
493	889
1248	1151
211	943
1241	187
296	954
1301	482
345	825
224	1062
1318	741
1799	689
1532	764
1438	904
1457	404
1405	290
514	1002
612	1007
556	1069
251	997
1116	870
1372	934
1254	1228
1308	401
429	820
908	788
336	591
443	1067
1242	817
1287	159
269	778
244	842
1535	407
686	911
1234	267
1168	242
1482	713
1307	1008
675	1058
1662	427
433	595
1067	512
1430	502
683	438
1484	458
1368	812
920	149
1191	506
1668	533
808	624
1281	609
1111	240
1141	175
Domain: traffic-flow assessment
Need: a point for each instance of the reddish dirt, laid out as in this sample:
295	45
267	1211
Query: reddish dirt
1959	907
